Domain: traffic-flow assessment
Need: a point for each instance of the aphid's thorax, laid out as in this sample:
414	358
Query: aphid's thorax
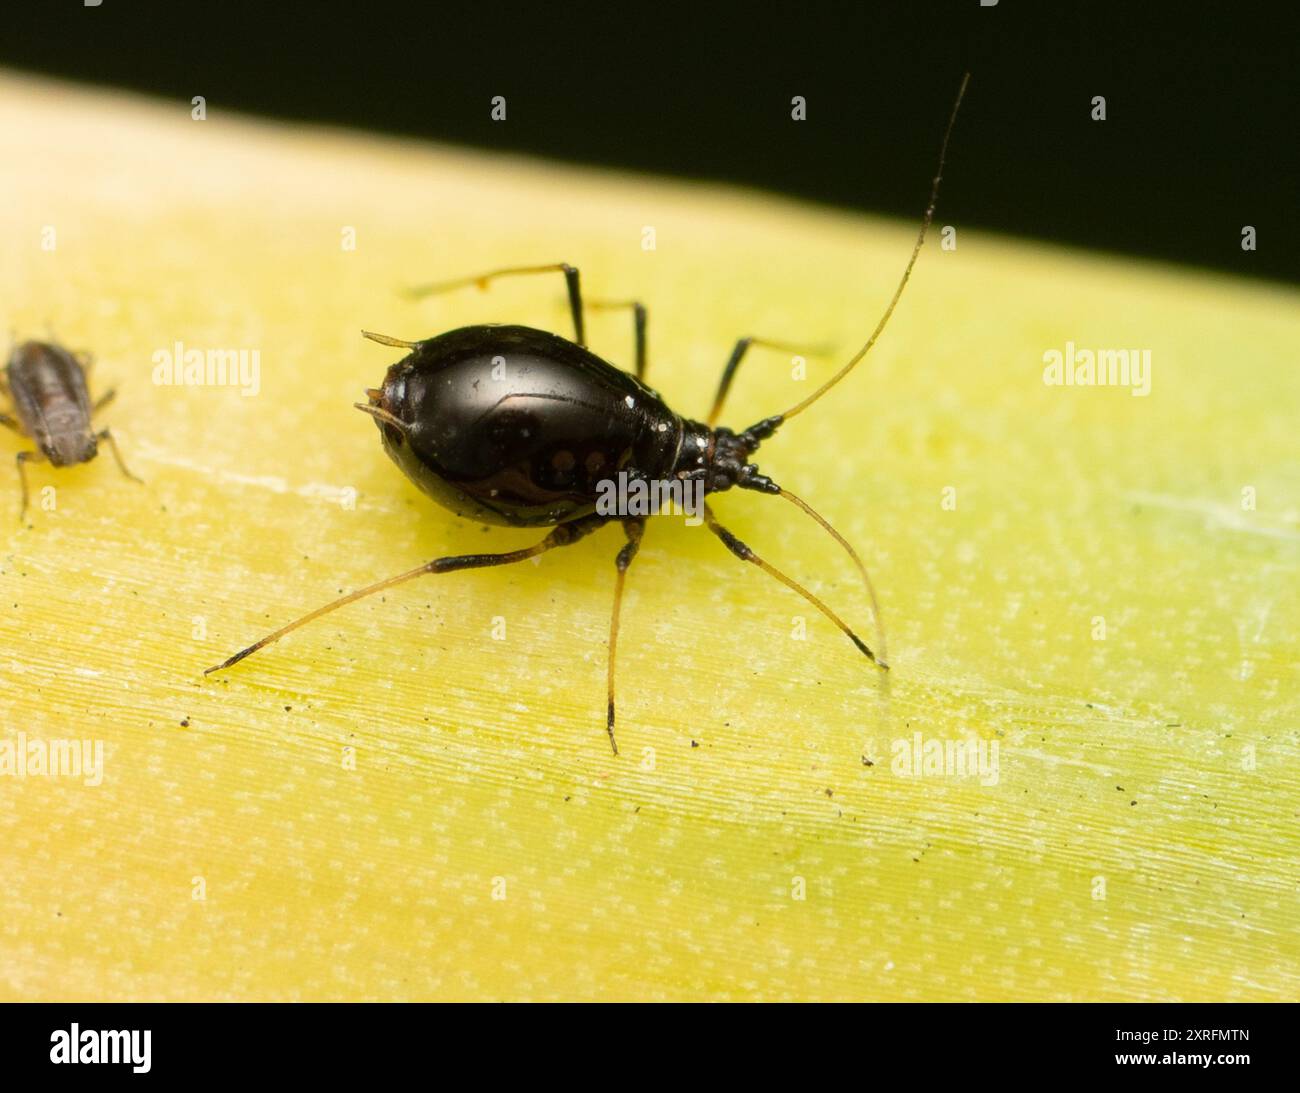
48	388
720	457
510	425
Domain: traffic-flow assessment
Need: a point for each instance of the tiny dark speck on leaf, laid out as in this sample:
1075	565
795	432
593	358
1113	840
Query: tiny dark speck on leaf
288	709
1132	803
185	723
830	792
695	743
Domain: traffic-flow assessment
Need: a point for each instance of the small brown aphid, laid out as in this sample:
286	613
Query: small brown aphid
47	386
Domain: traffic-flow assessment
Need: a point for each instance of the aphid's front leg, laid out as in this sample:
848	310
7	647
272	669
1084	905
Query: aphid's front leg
634	529
638	326
22	459
106	436
482	279
562	535
738	354
745	554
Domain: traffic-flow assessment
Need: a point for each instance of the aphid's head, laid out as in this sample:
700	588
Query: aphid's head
63	448
721	457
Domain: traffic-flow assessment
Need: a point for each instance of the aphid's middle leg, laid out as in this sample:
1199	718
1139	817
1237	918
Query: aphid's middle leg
745	554
634	529
482	279
22	459
562	535
11	423
106	436
638	326
738	354
104	399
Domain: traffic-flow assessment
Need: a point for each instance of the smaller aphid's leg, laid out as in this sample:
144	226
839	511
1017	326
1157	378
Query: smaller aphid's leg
10	423
104	399
107	436
638	326
745	554
482	279
634	529
738	354
24	458
562	535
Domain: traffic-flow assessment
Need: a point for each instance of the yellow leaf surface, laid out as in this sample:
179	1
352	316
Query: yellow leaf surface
395	802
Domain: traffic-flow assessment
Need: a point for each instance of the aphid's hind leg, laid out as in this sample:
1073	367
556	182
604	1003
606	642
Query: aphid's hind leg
745	554
738	354
634	528
482	279
562	535
107	436
638	326
22	459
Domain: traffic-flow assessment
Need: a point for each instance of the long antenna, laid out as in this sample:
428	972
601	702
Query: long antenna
882	655
898	292
745	554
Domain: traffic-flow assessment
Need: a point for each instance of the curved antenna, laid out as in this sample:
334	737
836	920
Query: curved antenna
746	554
898	292
882	657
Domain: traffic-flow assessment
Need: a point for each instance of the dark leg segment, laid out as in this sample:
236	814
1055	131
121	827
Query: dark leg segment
745	554
638	326
737	355
634	530
482	279
562	535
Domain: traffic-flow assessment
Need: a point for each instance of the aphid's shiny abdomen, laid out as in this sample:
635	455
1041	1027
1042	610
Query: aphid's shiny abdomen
511	425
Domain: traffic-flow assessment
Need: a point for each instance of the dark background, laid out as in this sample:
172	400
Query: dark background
1200	139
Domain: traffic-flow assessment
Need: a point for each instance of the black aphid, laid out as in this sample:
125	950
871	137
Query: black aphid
516	426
